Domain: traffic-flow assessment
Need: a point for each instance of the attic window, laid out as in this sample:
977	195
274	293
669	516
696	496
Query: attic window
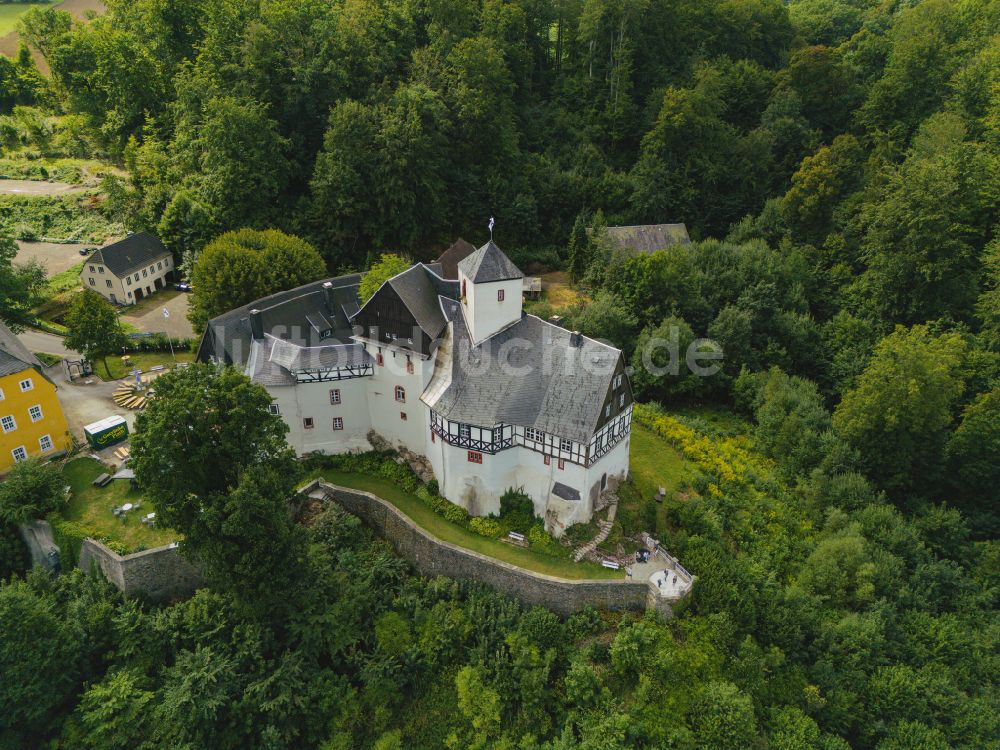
565	445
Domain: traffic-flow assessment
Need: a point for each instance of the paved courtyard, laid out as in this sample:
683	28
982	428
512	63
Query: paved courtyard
148	314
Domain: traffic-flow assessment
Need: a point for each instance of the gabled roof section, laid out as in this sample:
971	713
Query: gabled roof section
454	255
530	374
14	356
287	314
648	238
488	264
419	288
134	251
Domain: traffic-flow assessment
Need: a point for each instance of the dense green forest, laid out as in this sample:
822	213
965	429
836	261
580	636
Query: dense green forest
837	163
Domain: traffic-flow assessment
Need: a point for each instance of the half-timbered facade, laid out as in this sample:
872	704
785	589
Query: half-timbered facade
452	369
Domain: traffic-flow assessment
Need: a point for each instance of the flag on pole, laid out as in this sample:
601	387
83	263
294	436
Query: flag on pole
491	225
166	313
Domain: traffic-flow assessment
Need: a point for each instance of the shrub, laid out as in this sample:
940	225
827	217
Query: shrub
456	514
541	541
516	510
14	557
488	527
30	490
68	537
432	487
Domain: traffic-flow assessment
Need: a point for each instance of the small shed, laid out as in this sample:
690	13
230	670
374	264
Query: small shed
106	432
532	287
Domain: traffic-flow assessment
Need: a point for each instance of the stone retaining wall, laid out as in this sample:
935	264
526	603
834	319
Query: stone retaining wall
432	557
156	574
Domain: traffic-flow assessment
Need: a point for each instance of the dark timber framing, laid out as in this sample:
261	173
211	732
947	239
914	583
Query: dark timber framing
492	440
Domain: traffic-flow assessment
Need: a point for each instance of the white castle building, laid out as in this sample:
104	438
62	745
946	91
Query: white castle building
451	369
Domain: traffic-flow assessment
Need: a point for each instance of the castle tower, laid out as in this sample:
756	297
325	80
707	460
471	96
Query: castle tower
491	291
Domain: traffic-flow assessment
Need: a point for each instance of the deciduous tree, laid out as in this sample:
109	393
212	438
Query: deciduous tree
94	328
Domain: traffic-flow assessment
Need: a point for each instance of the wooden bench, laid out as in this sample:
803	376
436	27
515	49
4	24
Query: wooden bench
102	481
157	368
610	565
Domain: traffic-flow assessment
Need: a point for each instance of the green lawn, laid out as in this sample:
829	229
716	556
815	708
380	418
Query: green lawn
48	359
11	13
142	360
655	463
64	281
431	522
90	508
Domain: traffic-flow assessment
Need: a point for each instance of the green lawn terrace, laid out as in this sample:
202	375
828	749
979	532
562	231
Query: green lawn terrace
90	508
422	515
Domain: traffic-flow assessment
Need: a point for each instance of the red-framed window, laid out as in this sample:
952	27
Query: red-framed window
548	460
433	436
475	457
400	394
499	295
307	423
378	359
334	395
562	464
402	415
338	423
409	367
463	287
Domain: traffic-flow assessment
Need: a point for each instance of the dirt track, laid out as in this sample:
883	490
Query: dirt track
38	187
77	8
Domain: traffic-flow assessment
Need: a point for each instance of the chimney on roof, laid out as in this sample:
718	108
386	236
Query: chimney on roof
328	295
556	320
575	339
256	325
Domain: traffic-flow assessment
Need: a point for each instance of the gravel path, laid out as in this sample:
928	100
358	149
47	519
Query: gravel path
38	187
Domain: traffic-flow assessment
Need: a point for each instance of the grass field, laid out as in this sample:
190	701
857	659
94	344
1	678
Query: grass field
431	522
654	463
142	360
559	291
90	508
11	13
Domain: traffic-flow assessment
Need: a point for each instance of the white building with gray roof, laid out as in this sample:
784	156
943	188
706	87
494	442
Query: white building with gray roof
453	370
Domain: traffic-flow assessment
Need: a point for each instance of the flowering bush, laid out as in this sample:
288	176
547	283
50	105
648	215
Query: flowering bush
485	527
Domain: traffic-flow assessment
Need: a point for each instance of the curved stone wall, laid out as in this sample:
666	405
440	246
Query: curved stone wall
433	557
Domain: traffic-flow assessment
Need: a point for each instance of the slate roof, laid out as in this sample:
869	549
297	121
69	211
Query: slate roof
274	361
419	289
451	257
488	264
287	315
135	251
14	356
650	237
528	374
300	358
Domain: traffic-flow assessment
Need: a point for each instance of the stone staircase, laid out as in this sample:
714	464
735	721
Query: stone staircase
604	529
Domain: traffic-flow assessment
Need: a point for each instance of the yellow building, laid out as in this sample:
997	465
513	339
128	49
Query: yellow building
32	422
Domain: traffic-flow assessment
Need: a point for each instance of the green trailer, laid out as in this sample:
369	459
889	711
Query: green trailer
108	431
